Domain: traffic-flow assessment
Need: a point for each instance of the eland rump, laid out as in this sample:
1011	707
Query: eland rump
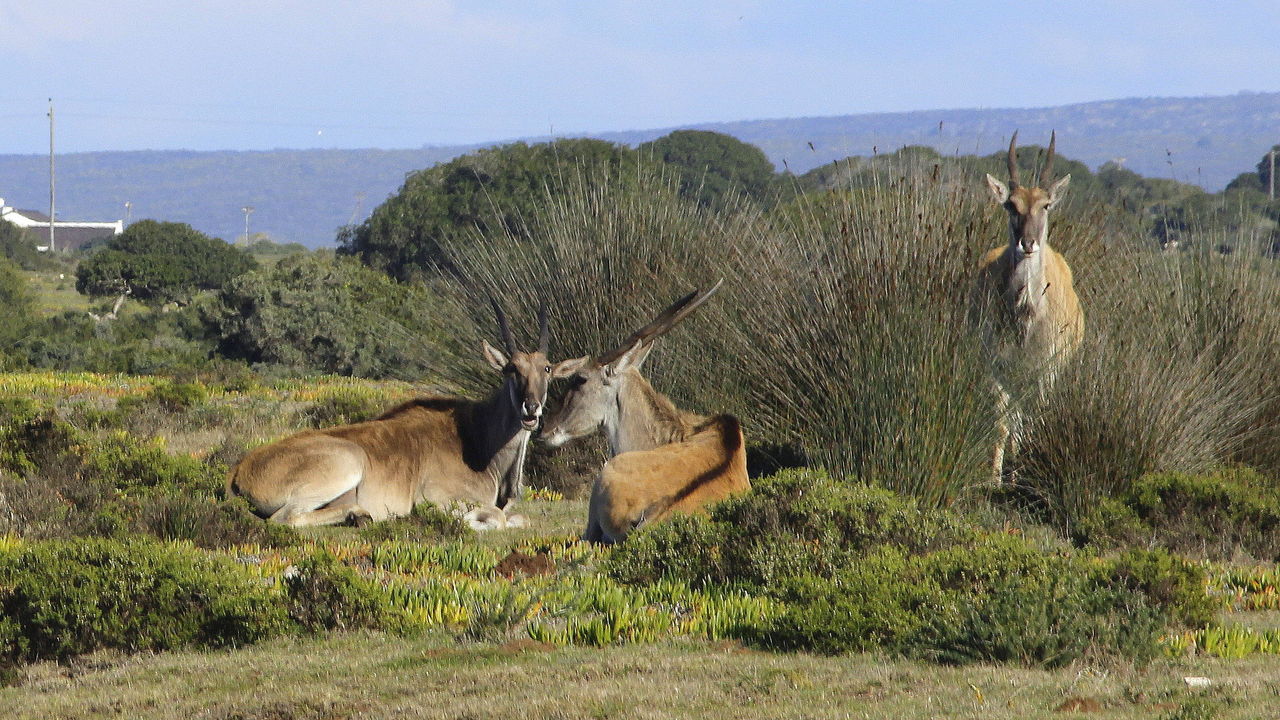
448	451
663	460
1024	301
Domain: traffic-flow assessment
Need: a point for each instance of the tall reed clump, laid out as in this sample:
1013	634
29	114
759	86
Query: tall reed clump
1175	374
605	252
859	341
840	328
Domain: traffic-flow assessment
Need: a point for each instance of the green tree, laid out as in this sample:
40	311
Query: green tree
712	165
318	313
492	190
161	262
18	246
17	305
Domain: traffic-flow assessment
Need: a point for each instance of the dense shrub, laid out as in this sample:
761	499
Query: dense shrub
127	464
206	523
494	190
161	262
324	594
317	313
1216	515
60	599
861	568
795	522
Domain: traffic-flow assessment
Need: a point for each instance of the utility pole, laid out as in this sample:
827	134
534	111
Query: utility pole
247	210
52	244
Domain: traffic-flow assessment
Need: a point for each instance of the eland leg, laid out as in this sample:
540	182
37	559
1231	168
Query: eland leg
1002	434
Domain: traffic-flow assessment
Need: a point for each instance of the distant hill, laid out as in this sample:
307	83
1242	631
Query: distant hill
305	195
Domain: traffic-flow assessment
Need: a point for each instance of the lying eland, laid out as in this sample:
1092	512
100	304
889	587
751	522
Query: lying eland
664	460
449	451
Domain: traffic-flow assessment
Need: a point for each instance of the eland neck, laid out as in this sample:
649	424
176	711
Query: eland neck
644	418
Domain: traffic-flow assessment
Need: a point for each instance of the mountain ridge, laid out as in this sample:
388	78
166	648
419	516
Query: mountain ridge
305	195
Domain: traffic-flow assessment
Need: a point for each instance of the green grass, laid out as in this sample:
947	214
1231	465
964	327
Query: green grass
55	291
377	676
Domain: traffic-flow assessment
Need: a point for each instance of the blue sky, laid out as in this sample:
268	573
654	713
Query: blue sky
205	75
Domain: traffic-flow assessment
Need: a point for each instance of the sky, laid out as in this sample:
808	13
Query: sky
232	75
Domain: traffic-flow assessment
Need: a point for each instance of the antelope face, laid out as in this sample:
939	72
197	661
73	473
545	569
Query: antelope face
528	376
1028	206
1028	209
591	392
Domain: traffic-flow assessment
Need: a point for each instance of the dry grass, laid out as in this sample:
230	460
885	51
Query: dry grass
376	676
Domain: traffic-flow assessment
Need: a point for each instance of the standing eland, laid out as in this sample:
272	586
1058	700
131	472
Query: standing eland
1023	301
449	451
663	460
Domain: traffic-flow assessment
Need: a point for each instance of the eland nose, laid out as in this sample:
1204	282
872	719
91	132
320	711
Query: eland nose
532	409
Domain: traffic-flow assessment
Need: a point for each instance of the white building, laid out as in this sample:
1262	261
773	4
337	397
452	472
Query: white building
68	235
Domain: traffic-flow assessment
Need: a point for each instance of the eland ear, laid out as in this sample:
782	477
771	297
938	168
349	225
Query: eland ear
565	368
632	358
494	356
999	190
1058	189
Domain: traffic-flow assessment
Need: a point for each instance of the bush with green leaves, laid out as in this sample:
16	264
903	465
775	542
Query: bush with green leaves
860	568
797	522
325	594
495	190
161	262
714	166
343	406
1217	515
316	313
59	599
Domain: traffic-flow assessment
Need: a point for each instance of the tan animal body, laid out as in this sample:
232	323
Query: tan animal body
1024	302
449	451
664	460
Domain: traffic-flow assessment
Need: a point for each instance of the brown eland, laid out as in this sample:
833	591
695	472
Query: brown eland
460	454
664	460
1024	303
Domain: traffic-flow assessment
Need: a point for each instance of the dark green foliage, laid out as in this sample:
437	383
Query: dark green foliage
161	262
32	437
152	342
324	594
20	249
17	305
1170	582
63	598
713	165
1215	515
315	313
426	523
859	568
793	523
170	396
494	191
874	604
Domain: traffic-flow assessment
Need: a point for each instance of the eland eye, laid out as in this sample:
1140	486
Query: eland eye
547	369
